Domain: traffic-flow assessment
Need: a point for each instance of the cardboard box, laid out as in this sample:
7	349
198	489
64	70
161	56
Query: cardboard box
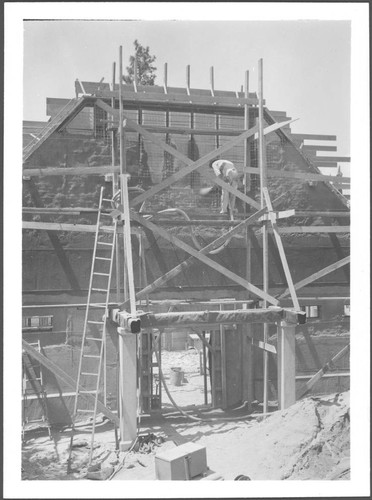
181	463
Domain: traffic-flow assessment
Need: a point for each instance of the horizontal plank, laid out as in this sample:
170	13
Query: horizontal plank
319	147
187	130
264	345
196	318
47	171
322	164
327	159
77	228
300	175
312	229
202	100
59	211
314	137
314	213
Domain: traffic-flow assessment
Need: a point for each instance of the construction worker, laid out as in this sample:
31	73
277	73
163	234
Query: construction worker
226	170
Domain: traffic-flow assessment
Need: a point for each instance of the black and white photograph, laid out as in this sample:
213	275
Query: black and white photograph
184	297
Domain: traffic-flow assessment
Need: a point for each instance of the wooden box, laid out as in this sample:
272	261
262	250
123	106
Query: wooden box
181	463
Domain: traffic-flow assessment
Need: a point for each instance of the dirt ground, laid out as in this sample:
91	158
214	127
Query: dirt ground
310	440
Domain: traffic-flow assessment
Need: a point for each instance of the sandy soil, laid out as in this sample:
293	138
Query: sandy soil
310	440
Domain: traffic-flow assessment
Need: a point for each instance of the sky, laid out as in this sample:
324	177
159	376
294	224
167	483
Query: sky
306	63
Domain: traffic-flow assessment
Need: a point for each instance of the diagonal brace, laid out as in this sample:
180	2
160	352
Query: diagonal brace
203	258
279	244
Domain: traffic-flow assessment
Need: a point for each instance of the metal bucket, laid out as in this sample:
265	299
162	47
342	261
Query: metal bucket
176	375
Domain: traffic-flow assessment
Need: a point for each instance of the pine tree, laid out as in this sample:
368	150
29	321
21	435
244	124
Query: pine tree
145	68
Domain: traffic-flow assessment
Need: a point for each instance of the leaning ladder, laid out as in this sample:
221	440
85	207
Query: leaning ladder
94	332
33	386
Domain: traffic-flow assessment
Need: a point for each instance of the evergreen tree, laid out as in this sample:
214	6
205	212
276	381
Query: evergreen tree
145	67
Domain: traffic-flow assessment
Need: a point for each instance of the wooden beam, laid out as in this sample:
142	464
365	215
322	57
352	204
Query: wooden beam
67	379
319	147
315	137
59	211
300	176
319	274
188	262
47	171
333	158
313	229
199	318
206	260
191	166
77	228
172	98
286	365
165	78
264	345
281	251
315	213
322	164
61	255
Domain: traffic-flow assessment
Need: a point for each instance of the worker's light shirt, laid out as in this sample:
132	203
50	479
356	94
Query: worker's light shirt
223	167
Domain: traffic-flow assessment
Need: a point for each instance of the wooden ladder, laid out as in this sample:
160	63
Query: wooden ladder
93	346
33	385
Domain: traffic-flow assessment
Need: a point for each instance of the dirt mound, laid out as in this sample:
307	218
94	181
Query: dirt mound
310	440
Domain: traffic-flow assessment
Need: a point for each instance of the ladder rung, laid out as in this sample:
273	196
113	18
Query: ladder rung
99	289
91	356
93	338
87	392
84	411
102	258
99	306
101	274
96	322
104	243
87	373
107	199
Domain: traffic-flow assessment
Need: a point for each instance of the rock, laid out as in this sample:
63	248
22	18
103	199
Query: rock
100	475
111	460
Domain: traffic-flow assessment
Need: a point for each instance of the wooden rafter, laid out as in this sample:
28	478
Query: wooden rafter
319	274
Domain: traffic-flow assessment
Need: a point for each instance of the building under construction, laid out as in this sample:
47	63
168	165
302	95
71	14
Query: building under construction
125	260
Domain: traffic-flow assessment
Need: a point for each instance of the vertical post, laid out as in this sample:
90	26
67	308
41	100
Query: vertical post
247	348
205	371
223	363
127	341
165	81
188	79
265	254
123	166
286	365
211	75
115	187
135	73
